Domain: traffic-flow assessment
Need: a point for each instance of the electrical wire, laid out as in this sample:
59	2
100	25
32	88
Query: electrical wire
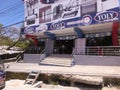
9	7
12	10
15	18
26	20
12	24
15	12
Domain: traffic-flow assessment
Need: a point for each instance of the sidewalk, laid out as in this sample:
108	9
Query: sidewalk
88	70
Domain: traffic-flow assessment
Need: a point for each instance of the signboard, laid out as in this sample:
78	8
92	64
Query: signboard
60	14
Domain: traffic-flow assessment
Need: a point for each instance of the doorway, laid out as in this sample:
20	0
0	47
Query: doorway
63	46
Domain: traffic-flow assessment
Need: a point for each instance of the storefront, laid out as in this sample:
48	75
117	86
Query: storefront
97	21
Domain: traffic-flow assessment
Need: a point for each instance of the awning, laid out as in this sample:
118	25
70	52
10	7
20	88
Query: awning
102	34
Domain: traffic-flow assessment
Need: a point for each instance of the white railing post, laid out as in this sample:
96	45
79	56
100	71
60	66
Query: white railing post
103	50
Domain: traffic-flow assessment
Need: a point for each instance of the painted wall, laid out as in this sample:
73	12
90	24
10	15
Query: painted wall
46	15
49	46
97	60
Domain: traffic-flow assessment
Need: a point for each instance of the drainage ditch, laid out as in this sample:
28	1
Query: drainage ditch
55	79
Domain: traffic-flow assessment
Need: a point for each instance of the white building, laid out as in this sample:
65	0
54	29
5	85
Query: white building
61	25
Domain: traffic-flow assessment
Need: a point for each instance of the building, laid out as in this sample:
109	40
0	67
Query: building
87	27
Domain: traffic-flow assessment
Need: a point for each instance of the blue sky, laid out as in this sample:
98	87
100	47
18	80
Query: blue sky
11	11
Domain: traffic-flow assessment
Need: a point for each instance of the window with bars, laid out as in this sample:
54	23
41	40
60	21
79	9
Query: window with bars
88	8
45	14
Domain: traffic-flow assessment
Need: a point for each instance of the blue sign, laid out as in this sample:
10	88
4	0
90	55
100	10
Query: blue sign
106	16
87	19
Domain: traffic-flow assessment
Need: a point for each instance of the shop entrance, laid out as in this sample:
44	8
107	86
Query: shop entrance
99	41
63	46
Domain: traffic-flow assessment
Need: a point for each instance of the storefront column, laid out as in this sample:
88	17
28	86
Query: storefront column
80	45
115	28
49	46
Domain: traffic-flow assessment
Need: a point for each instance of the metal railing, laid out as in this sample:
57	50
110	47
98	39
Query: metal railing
103	50
42	55
91	50
34	50
99	51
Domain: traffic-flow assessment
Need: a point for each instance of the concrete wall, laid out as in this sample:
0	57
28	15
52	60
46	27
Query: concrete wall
97	60
33	58
49	46
80	45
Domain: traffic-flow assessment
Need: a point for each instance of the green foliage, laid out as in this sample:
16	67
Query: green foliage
5	41
113	81
1	25
53	79
13	75
22	43
0	28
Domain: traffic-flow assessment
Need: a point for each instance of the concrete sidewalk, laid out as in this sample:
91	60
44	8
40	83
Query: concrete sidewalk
88	70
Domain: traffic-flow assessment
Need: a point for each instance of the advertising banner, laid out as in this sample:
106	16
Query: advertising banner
60	14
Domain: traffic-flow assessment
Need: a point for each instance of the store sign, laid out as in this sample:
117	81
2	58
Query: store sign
31	29
41	28
106	16
87	19
60	14
58	25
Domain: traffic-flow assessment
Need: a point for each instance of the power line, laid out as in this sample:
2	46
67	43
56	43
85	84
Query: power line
12	13
10	9
12	5
13	24
13	10
14	19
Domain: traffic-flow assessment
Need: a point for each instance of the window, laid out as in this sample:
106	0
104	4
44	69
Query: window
30	3
104	0
31	12
45	14
30	21
88	8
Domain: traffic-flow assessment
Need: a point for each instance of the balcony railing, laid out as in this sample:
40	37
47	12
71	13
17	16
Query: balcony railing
99	51
92	50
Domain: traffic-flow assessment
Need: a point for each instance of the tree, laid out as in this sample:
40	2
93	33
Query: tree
12	36
1	29
4	40
23	43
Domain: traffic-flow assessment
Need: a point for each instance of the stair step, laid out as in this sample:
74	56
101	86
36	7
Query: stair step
52	60
58	59
29	79
59	64
62	60
54	63
32	74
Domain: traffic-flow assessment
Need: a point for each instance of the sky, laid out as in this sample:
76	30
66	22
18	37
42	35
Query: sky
11	12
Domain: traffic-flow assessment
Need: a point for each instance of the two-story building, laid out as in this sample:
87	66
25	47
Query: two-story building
82	27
